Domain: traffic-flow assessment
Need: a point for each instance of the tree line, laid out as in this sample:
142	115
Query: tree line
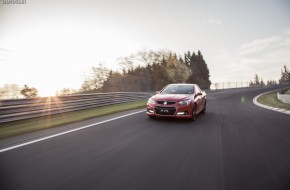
149	71
11	91
259	82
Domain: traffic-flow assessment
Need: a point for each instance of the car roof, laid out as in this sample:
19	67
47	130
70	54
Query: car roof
185	84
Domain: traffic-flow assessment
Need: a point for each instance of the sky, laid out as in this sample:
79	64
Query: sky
52	44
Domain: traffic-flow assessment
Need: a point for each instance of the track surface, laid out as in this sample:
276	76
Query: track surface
235	145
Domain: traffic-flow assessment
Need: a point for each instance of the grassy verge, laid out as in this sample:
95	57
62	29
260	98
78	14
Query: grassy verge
271	100
25	126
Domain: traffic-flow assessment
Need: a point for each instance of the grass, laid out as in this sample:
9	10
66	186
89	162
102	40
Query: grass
34	124
271	100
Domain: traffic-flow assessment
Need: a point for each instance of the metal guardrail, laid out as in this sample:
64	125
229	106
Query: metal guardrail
18	109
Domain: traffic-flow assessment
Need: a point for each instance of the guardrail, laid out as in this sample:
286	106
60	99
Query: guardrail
18	109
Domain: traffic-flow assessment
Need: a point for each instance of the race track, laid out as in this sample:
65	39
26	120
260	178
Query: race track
235	145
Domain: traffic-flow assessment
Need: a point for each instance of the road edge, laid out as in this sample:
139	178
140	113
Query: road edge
268	107
61	133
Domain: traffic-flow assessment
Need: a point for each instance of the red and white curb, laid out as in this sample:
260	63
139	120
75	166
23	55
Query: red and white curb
268	107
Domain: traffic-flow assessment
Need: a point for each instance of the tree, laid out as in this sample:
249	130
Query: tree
142	71
285	75
177	71
10	91
200	72
113	82
29	92
152	70
271	82
262	83
66	91
258	82
96	80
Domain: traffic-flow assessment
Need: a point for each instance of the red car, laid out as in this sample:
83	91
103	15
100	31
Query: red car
177	100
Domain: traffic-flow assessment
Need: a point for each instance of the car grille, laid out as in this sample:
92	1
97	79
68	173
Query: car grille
165	110
166	102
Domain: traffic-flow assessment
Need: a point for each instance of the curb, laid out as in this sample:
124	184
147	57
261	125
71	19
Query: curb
268	107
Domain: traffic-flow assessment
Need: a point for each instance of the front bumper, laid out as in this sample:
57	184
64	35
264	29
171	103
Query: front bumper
169	111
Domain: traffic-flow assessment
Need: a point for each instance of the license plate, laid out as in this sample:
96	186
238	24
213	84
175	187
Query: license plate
164	111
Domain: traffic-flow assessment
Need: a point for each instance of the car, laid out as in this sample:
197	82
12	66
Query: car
177	101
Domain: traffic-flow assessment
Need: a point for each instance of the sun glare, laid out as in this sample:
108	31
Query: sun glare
47	92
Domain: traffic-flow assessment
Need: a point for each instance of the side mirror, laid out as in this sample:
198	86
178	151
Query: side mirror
199	94
157	92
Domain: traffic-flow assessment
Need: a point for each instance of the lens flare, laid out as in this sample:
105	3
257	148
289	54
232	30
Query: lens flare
243	99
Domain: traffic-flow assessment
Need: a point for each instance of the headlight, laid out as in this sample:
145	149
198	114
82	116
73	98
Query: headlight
184	102
151	101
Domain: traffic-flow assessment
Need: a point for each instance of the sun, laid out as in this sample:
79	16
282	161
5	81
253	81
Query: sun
46	92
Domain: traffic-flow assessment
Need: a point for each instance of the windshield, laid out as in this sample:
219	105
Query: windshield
178	89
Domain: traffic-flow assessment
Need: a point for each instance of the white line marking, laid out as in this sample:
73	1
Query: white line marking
66	132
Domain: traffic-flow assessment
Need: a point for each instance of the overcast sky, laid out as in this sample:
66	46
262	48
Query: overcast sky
51	44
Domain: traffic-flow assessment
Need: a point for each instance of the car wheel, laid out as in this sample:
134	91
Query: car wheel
204	108
193	118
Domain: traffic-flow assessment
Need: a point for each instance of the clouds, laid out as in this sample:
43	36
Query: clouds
264	56
267	44
271	50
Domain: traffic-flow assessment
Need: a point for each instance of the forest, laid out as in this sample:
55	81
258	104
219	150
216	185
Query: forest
149	71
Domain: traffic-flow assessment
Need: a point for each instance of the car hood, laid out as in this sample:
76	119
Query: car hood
171	96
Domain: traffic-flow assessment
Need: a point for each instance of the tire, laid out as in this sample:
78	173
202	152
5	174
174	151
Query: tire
204	108
194	115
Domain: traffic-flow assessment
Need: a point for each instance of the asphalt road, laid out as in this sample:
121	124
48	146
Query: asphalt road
235	145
